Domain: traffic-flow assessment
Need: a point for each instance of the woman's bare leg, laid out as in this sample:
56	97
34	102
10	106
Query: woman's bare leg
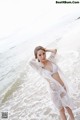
62	114
70	113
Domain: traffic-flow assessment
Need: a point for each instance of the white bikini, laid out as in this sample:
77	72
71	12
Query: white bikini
54	69
54	87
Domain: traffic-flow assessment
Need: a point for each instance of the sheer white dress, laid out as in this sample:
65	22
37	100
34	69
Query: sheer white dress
54	87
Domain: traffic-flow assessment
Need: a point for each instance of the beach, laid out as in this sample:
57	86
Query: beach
26	96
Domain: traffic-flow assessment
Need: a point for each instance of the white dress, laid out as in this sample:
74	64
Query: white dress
54	87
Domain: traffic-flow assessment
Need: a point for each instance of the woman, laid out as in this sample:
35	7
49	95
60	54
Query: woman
50	71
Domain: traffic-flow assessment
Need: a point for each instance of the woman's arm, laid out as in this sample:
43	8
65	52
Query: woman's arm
51	50
53	53
34	64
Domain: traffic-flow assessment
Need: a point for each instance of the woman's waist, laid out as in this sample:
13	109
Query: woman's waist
52	82
55	87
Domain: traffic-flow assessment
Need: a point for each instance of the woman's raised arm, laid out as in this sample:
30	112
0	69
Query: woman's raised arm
53	53
51	50
34	64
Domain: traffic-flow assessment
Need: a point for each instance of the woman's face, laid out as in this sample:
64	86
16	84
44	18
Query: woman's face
41	55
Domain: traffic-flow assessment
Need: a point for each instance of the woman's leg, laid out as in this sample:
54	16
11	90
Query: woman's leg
62	114
70	113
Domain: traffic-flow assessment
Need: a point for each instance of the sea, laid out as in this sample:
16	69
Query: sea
23	94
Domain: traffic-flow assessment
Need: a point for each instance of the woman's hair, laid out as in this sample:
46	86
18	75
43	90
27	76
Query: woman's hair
36	50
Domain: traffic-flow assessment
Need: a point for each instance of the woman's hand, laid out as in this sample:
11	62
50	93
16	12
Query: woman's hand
55	51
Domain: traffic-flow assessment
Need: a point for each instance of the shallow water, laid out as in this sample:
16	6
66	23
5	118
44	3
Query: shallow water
27	97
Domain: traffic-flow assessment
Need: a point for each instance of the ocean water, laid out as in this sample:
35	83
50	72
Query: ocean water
15	50
24	94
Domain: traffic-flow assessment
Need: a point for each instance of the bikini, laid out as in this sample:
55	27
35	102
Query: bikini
54	88
54	69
